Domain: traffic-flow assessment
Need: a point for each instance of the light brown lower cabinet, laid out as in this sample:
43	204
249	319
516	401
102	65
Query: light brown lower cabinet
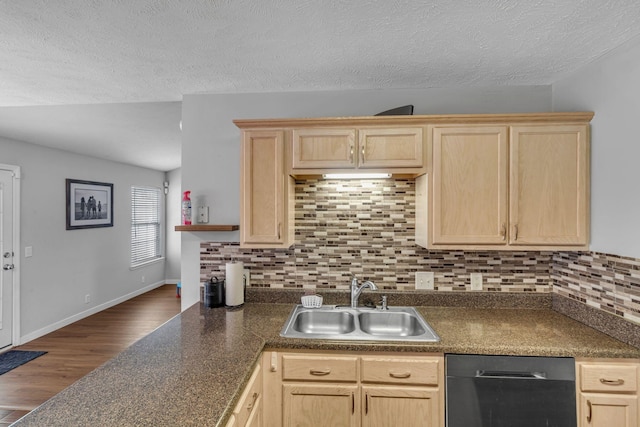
608	393
386	406
349	389
301	388
248	410
320	405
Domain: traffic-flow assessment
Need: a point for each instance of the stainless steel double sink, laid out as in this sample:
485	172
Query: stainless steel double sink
345	323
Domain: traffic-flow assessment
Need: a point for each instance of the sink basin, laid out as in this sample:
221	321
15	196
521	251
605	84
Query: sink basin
389	323
324	322
345	323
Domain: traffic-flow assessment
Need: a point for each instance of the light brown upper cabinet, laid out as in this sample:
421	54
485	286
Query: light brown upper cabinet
266	202
549	185
390	149
470	185
483	181
323	148
509	187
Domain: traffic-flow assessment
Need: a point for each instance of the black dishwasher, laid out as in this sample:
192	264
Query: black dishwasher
510	391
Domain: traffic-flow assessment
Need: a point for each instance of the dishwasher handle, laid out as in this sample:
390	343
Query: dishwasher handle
511	374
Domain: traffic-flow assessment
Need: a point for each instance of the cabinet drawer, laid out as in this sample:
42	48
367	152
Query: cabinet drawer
609	377
400	370
249	398
319	368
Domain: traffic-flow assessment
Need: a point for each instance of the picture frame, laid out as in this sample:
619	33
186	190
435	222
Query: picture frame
89	204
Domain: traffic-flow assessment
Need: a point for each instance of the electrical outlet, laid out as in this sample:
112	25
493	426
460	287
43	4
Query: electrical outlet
424	280
476	281
87	299
142	279
203	214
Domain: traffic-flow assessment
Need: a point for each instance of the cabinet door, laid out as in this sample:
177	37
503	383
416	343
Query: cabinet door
549	185
469	185
265	197
320	405
390	148
400	406
255	418
248	411
613	410
323	148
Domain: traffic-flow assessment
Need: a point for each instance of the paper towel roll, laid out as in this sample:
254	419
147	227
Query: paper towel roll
234	292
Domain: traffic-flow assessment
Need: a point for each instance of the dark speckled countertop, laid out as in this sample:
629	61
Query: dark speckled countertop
190	371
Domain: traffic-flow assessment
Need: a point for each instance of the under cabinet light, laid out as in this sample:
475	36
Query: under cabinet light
356	175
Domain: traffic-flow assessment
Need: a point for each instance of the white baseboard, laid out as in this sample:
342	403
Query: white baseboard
93	310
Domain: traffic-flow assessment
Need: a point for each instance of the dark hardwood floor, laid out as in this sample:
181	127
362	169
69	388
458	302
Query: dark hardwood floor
79	348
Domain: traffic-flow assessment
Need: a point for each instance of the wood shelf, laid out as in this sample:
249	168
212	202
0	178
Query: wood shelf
207	227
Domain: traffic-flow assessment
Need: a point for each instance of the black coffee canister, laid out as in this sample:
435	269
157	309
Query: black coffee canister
214	293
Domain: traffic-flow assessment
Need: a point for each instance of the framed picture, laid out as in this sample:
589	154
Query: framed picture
89	204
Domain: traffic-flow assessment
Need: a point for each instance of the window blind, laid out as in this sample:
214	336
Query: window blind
145	224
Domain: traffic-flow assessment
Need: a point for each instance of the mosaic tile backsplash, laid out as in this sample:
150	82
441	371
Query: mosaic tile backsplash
608	282
366	228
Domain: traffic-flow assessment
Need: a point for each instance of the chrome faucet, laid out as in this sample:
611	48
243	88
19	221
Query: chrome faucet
356	290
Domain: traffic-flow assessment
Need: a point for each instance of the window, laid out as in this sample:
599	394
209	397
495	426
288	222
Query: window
145	225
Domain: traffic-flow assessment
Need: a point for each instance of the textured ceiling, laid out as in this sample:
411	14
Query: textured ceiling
73	52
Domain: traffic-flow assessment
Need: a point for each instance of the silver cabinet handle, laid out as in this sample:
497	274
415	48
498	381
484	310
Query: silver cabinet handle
400	374
589	413
515	232
619	381
351	154
362	154
253	401
503	231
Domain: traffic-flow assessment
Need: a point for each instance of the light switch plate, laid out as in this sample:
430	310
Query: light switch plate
203	214
476	281
424	280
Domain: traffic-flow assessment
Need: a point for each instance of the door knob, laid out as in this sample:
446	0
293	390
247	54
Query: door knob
7	267
7	254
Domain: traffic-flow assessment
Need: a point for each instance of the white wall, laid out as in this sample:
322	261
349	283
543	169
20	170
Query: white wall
211	142
173	241
68	264
610	87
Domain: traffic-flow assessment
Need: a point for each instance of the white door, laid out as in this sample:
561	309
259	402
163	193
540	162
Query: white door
6	260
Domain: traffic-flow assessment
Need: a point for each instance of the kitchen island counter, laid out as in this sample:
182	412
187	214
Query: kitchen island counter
191	370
